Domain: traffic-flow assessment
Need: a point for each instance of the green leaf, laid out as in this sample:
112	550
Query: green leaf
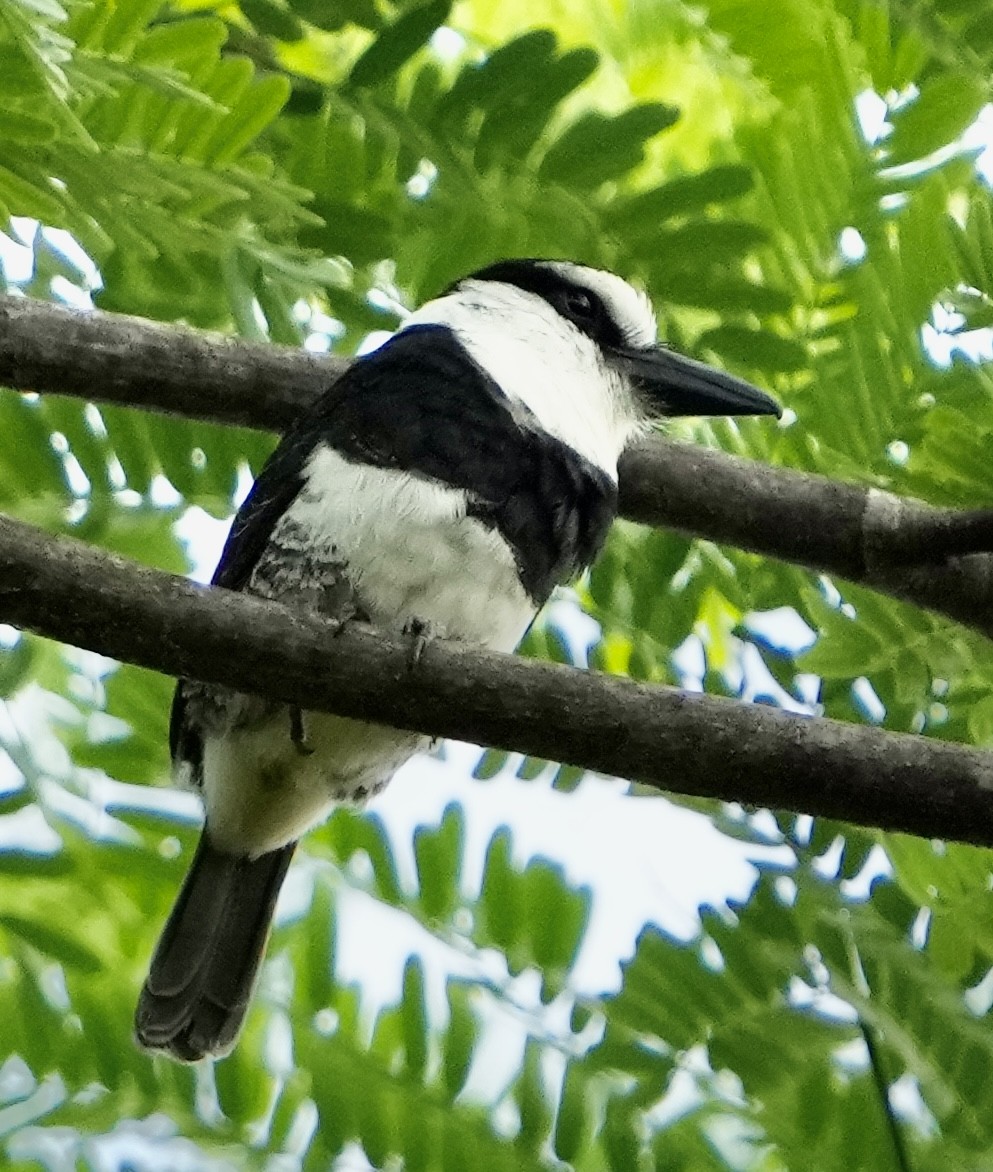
15	664
53	941
946	105
641	214
244	1090
459	1039
414	1019
557	918
25	128
398	42
755	349
183	43
317	969
500	904
325	14
438	854
273	19
536	1116
572	1127
598	147
25	197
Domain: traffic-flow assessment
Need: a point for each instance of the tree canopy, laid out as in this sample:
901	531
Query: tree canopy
798	185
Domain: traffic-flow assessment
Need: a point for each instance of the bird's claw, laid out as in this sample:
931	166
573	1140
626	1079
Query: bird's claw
421	634
298	732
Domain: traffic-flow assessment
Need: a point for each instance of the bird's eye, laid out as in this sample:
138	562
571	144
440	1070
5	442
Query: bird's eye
579	306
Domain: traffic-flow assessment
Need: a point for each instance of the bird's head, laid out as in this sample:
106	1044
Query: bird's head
577	346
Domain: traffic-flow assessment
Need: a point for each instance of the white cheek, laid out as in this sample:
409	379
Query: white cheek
540	362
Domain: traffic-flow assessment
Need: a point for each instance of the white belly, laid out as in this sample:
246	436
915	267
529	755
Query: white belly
411	553
262	792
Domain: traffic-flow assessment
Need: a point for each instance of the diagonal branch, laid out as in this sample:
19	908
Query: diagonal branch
693	744
864	535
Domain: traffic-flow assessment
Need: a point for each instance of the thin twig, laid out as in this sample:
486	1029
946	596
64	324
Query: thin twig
900	1153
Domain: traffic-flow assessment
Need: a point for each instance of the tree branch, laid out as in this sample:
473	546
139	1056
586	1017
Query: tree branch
863	535
114	358
693	744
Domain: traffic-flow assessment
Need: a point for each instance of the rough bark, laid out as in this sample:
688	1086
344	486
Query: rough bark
693	744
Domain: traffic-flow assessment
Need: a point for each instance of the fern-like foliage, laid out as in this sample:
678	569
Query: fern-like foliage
303	170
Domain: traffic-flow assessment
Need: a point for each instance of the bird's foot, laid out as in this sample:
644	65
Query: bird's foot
298	732
421	633
342	615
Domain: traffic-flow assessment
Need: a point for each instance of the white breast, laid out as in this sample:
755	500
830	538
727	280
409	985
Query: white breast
412	552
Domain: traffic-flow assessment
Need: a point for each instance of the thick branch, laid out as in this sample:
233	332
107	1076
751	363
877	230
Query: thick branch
113	358
859	534
693	744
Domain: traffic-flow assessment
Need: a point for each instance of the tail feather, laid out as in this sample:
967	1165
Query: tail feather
204	968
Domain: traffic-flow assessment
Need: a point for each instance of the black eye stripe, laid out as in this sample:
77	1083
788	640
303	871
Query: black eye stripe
561	294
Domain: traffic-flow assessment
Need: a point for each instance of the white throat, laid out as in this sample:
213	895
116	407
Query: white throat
541	362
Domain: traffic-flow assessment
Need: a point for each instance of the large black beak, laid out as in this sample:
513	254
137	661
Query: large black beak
675	385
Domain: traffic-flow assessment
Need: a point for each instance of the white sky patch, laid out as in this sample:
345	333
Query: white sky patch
203	537
71	294
867	702
322	329
27	831
871	111
163	495
317	343
690	661
980	135
16	257
898	452
419	184
782	629
851	245
942	338
17	260
243	485
373	341
64	243
447	44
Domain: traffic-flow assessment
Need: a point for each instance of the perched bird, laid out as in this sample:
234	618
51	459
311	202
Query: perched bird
446	483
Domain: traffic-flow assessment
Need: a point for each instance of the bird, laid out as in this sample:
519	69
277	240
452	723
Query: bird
442	486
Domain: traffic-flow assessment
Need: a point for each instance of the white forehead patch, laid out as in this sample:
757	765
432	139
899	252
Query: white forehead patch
627	306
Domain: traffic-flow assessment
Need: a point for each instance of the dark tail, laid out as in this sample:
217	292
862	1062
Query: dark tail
204	969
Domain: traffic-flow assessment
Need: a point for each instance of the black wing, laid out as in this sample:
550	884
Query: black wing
274	490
